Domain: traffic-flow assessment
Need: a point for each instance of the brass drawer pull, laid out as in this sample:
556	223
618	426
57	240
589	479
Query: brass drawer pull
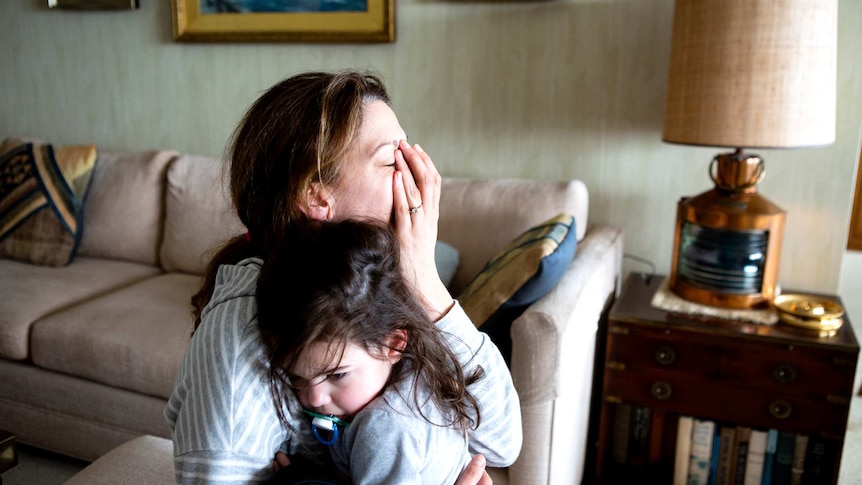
784	373
665	355
780	409
661	390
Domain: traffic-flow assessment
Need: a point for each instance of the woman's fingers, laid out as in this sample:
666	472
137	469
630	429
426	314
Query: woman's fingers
414	194
424	175
474	473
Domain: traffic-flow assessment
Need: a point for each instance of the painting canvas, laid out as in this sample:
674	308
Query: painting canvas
284	20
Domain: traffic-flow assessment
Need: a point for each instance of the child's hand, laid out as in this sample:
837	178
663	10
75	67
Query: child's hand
281	460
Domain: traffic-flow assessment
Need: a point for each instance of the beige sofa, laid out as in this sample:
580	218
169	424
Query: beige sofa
89	351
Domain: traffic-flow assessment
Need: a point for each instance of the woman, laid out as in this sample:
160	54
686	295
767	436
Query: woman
320	147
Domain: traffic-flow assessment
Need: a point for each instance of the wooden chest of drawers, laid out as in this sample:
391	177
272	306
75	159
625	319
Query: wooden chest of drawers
730	372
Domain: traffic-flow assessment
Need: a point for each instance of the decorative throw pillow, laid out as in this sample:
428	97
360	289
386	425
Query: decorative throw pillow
447	259
524	271
41	200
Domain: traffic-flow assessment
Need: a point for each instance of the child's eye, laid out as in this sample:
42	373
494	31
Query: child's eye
337	376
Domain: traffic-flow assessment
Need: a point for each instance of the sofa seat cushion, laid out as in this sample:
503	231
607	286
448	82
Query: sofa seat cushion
32	292
132	338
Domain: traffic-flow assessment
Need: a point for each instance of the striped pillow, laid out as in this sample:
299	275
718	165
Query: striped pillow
41	200
524	271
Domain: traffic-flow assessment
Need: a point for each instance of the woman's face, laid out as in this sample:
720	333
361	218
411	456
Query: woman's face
365	188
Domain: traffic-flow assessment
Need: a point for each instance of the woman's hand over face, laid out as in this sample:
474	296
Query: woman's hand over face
416	204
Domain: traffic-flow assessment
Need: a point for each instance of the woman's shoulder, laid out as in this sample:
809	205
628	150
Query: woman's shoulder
229	317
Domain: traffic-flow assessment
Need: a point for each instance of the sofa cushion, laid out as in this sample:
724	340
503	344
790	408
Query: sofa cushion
143	460
31	292
42	188
133	338
199	215
125	206
524	271
520	203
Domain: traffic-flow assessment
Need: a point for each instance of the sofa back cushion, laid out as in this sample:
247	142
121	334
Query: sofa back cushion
124	207
199	216
481	216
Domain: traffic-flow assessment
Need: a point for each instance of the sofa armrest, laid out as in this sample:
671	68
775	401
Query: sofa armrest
553	353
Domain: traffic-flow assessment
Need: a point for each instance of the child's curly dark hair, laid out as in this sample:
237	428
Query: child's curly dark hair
340	282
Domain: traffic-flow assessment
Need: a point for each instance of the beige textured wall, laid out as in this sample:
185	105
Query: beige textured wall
539	89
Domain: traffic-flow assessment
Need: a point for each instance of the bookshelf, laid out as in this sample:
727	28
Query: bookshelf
675	385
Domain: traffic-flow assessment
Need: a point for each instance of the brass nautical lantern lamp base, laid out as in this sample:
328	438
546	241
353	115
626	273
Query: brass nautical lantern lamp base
727	242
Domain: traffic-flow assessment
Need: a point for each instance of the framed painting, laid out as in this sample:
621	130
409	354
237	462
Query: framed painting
284	20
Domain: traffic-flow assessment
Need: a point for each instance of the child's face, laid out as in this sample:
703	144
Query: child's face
344	387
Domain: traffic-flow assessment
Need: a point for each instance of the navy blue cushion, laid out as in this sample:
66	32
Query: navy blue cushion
523	272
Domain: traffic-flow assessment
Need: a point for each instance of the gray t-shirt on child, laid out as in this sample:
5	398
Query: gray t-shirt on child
391	442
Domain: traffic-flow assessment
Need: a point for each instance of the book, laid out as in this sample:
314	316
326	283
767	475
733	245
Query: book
769	458
724	472
797	468
638	450
701	451
682	454
783	458
622	424
713	462
740	454
818	456
755	457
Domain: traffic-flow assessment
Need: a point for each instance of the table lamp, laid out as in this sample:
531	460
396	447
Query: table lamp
744	74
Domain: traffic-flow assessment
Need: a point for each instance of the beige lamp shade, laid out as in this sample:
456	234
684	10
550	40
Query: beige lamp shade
752	73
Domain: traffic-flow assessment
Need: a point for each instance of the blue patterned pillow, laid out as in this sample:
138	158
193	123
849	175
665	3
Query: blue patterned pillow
524	271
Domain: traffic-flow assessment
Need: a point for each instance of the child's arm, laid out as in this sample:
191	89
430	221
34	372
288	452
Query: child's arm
499	435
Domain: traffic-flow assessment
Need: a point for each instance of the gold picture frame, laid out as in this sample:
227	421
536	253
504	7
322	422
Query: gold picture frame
375	24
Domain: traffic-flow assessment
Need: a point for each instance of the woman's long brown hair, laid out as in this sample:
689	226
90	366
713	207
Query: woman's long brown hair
295	133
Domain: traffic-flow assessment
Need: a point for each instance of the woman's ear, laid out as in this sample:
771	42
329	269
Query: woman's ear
395	345
317	205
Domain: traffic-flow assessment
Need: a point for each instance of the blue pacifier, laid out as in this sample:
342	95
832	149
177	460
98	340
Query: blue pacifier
323	424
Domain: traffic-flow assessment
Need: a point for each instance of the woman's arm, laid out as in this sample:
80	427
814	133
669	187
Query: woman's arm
417	182
221	414
499	435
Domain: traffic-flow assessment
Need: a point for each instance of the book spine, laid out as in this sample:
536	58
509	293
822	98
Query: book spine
714	454
769	458
682	456
743	434
798	467
725	458
755	457
701	451
622	423
783	458
817	457
638	451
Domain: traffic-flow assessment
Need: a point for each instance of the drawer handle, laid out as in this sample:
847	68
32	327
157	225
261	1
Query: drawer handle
780	409
661	390
665	355
784	373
